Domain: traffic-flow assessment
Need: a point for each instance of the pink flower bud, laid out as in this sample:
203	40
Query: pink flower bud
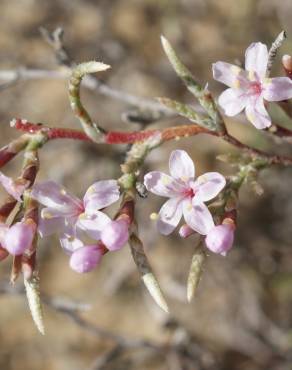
185	231
85	259
19	237
287	62
115	235
220	239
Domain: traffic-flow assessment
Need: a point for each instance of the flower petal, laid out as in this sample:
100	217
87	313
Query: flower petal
93	224
100	195
70	244
232	101
207	186
169	216
53	195
256	113
256	58
3	229
198	217
227	73
278	89
181	166
12	187
163	185
51	226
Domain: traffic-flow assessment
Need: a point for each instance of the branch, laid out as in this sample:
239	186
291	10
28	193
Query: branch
167	134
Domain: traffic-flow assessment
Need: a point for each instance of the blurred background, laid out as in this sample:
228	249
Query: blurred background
242	314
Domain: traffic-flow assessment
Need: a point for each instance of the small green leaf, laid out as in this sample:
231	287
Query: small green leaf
188	112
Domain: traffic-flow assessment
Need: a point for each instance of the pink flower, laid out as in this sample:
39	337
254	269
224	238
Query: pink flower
115	235
186	195
220	238
14	188
69	216
249	87
18	238
86	258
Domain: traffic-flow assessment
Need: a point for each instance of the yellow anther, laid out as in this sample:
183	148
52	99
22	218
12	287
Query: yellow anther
251	75
177	138
250	116
236	84
82	216
236	70
47	215
154	216
91	189
165	180
189	207
63	192
267	81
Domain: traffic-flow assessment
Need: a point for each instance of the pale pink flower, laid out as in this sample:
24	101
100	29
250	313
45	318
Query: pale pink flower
69	216
86	258
220	238
186	195
248	88
18	238
14	188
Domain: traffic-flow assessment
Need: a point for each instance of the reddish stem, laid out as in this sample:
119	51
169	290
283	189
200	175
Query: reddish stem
117	137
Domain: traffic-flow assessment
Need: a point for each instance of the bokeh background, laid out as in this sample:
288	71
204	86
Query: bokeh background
242	314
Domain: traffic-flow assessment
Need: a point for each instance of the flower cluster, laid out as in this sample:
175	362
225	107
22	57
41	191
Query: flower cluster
187	198
250	87
74	220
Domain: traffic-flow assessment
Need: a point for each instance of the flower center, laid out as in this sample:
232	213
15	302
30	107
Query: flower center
256	88
190	193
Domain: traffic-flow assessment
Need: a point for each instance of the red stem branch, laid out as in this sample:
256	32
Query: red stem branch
117	137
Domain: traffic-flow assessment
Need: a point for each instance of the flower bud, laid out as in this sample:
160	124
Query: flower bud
220	238
19	237
115	235
185	231
85	259
287	63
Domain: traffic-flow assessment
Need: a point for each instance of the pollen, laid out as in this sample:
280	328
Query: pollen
154	216
82	216
47	215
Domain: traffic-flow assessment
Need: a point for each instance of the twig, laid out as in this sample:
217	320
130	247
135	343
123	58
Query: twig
169	133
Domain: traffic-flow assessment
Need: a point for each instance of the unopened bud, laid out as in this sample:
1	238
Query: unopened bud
287	64
220	238
115	235
19	237
85	259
